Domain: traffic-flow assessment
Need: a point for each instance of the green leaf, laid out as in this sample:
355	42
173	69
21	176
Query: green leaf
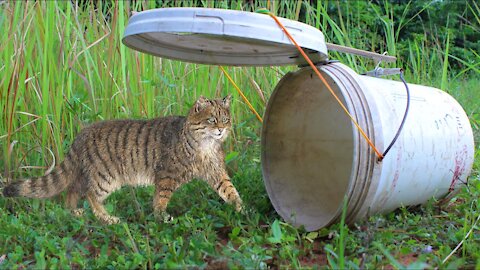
276	233
231	156
389	256
311	236
235	232
41	263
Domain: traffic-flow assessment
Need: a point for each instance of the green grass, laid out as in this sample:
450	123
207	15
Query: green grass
63	67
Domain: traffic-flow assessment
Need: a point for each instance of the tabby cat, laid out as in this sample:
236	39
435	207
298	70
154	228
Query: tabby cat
166	152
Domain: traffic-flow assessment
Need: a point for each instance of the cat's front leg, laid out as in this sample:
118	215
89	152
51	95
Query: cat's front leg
164	189
225	189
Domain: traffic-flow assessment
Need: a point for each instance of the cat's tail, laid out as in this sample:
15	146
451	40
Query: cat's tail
41	187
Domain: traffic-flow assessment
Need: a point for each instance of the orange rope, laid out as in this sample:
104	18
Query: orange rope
241	94
380	156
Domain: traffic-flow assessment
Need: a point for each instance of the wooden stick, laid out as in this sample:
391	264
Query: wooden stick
373	55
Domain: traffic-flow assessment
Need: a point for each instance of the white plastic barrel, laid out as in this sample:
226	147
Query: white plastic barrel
313	156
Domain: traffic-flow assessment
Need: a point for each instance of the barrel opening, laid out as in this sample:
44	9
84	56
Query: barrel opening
308	150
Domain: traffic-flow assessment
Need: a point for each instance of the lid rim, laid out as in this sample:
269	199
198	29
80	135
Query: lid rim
250	31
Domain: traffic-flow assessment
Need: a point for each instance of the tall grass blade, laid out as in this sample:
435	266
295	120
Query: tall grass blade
444	83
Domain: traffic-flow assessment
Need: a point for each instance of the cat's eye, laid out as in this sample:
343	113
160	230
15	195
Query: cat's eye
225	120
211	120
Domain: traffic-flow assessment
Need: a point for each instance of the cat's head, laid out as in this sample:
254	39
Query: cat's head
210	119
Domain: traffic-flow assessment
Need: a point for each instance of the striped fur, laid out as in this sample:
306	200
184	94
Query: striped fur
166	152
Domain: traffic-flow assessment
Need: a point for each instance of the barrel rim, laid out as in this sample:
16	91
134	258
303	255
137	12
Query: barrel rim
340	74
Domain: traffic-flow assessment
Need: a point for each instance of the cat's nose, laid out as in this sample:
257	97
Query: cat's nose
220	131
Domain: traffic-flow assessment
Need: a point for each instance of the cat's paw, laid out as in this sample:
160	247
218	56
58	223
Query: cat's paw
110	220
239	207
164	217
78	212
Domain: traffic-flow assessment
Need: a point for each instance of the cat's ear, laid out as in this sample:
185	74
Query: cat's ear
200	104
226	101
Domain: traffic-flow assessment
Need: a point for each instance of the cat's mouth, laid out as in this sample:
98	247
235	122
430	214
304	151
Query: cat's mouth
218	134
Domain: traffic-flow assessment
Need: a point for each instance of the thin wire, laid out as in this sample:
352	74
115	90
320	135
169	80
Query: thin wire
404	115
380	156
241	94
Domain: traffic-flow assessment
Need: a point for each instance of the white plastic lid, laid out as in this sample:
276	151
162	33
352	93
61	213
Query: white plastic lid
222	37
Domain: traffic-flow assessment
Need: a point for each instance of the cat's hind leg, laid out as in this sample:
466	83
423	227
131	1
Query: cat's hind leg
164	189
98	209
74	194
72	202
